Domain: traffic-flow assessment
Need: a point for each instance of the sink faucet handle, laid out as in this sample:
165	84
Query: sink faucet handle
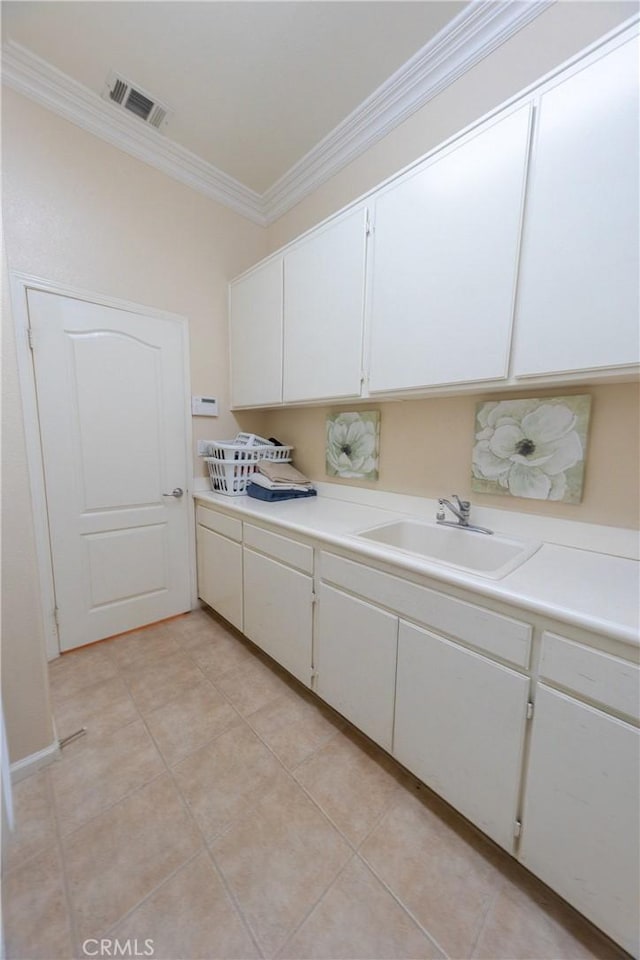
462	504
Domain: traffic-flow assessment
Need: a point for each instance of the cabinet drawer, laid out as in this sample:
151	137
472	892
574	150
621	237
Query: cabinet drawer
220	522
605	679
492	632
295	554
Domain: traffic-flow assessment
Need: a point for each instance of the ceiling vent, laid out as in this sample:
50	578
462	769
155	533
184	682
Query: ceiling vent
137	101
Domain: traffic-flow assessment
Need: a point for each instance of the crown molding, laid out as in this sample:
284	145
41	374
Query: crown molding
468	38
475	33
28	74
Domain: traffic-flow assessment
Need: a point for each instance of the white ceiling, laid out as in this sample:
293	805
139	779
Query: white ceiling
270	98
254	86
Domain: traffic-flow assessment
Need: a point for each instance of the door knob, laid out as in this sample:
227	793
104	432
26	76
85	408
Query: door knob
176	492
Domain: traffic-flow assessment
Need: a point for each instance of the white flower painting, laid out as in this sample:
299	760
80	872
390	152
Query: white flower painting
353	441
531	448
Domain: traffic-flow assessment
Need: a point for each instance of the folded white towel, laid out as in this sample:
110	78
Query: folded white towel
263	481
281	472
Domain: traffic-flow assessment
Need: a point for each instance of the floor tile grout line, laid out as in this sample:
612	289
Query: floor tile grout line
316	904
249	813
309	756
357	849
491	904
236	903
221	876
407	909
289	774
165	703
354	847
73	930
48	844
110	806
181	866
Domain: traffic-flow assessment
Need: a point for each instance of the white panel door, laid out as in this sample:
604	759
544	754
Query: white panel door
578	301
278	612
324	279
581	823
355	661
112	410
255	334
460	724
444	261
220	574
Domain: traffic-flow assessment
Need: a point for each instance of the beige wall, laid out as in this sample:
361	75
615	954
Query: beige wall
426	445
80	212
25	691
557	34
425	450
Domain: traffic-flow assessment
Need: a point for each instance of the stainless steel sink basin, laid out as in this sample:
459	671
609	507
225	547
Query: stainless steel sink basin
485	556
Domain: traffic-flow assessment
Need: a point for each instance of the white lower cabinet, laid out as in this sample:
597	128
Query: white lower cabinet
581	824
459	725
278	612
444	684
220	574
356	662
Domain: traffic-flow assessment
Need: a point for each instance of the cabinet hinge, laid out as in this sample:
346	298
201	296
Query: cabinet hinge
530	710
30	337
517	828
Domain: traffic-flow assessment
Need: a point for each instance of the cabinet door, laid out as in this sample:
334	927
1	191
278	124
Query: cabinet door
220	574
460	723
278	612
580	825
578	294
445	248
255	333
324	310
355	660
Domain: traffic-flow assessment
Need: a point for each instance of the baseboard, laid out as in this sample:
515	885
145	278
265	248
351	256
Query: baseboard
28	765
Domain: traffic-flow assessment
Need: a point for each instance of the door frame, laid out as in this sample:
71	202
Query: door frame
20	284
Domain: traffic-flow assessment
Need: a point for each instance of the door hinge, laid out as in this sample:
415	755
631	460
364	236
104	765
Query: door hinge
30	337
313	676
368	229
530	710
56	617
314	598
517	828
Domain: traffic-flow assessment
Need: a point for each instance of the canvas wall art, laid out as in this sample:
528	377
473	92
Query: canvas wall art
353	445
532	448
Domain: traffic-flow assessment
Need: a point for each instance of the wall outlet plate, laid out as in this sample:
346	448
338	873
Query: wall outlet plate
203	447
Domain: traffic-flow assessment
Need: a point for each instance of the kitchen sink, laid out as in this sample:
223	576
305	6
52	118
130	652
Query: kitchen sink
484	555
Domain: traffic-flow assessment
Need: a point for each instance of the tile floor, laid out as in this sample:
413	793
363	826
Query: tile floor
218	809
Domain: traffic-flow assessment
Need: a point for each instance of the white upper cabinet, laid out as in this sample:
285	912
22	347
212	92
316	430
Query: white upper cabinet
444	262
324	278
578	293
255	332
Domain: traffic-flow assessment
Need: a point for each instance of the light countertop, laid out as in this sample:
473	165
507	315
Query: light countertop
595	591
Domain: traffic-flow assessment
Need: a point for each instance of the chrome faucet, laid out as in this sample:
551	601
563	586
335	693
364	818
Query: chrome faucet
462	510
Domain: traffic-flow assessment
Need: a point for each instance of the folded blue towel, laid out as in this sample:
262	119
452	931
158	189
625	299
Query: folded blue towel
261	493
